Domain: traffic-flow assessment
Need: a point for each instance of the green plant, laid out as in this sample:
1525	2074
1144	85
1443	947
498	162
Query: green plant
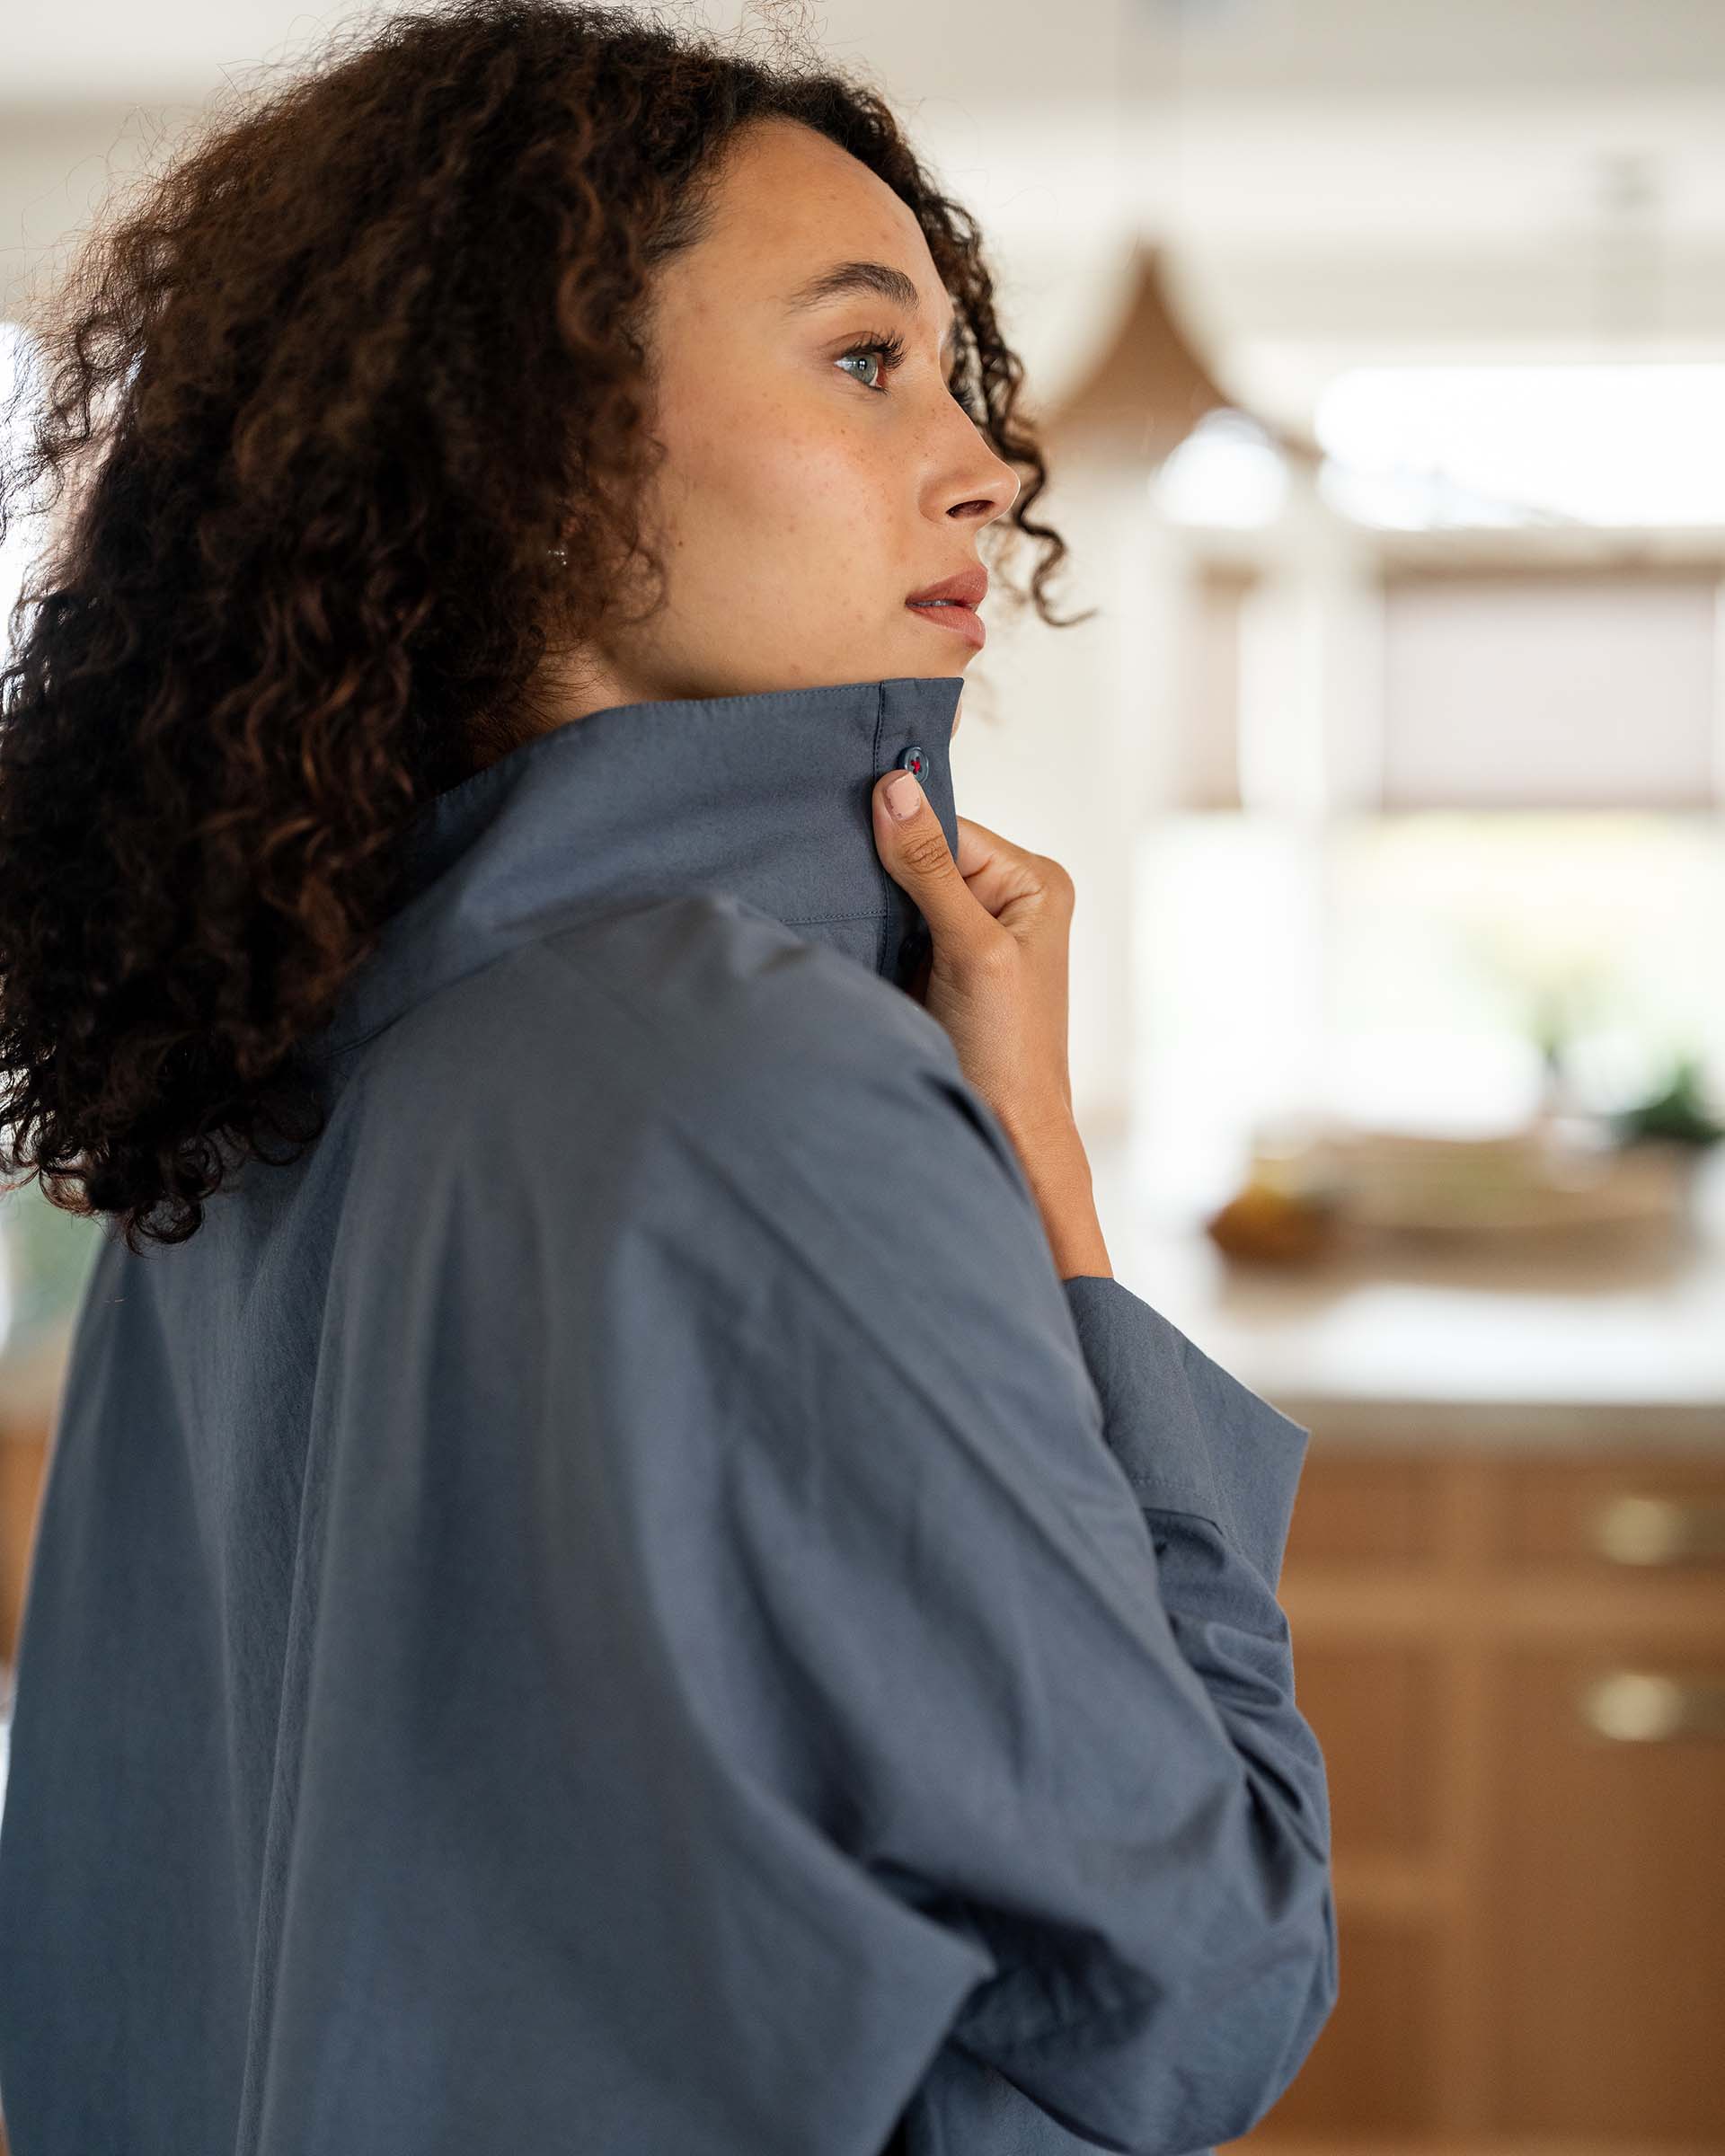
1676	1111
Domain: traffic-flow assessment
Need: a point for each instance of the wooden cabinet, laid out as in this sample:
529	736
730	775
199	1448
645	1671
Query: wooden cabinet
1515	1664
23	1466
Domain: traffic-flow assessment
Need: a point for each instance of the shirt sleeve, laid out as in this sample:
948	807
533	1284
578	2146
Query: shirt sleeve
994	1601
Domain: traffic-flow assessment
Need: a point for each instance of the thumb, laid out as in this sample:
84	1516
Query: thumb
913	849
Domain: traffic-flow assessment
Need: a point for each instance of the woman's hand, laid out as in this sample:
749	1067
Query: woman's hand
999	921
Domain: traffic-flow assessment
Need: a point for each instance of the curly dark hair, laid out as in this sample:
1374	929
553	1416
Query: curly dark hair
300	384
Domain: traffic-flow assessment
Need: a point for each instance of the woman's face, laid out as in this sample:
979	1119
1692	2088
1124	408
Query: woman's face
808	488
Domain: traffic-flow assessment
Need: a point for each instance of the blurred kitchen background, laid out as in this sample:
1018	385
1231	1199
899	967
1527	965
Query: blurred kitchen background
1378	349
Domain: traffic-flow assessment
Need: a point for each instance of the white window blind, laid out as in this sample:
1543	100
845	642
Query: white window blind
1553	689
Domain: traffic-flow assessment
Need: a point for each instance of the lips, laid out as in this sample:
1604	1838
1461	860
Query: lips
969	587
952	603
963	621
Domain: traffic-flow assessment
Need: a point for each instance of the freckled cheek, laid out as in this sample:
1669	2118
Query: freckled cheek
762	499
792	487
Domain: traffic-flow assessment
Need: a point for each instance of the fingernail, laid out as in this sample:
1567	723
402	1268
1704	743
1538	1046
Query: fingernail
904	797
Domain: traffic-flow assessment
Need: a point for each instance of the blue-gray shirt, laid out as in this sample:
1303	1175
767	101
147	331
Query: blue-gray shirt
621	1604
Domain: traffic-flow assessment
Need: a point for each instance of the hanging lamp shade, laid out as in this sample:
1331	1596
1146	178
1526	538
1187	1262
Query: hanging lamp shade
1151	384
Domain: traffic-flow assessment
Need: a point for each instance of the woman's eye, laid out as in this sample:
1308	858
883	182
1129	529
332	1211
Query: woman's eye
880	351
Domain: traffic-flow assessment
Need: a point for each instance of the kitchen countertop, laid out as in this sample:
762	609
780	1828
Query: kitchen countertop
1608	1338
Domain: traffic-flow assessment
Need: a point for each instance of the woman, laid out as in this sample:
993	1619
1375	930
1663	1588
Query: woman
638	1587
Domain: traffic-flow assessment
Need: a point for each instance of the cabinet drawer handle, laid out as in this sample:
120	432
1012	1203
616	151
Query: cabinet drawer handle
1658	1531
1640	1707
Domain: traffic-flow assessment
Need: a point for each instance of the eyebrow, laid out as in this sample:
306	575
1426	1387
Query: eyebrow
881	279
